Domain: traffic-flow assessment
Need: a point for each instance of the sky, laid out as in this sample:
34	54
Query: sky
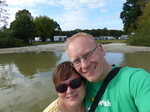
73	14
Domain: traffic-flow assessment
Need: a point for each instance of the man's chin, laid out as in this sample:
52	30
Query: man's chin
91	79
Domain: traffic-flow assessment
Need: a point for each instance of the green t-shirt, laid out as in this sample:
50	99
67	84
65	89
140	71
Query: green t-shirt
128	91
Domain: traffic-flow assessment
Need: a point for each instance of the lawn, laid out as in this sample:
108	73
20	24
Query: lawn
110	41
98	41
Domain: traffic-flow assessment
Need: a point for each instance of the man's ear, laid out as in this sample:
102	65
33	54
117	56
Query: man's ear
101	49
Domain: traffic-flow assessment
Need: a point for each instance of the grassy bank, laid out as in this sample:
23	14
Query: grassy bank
98	41
110	41
42	43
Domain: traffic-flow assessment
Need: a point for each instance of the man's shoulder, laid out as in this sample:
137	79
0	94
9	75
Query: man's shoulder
130	74
131	70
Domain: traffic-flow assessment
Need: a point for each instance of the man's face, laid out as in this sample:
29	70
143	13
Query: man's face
93	68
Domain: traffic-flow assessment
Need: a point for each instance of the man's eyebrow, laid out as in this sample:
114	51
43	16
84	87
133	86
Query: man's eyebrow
76	60
87	52
84	54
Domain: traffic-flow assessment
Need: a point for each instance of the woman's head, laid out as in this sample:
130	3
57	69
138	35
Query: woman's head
69	84
63	72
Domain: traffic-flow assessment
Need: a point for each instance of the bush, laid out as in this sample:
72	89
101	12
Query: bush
142	35
4	34
11	42
7	40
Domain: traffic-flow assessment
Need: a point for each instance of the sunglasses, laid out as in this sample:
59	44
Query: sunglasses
74	84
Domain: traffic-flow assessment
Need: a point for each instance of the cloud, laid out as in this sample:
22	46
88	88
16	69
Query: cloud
73	19
96	5
23	3
104	10
76	12
70	4
52	3
70	14
93	3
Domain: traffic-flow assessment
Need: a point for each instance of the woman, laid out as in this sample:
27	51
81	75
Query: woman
70	87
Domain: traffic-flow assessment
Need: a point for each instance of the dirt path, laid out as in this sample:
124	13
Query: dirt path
114	47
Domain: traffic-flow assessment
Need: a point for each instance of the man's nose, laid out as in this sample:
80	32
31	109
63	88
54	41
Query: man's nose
85	63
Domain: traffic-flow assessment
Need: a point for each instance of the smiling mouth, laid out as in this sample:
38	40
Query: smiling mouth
91	70
72	97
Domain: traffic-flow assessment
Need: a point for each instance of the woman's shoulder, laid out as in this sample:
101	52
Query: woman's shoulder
53	107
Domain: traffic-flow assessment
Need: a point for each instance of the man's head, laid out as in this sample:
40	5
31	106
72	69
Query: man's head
87	56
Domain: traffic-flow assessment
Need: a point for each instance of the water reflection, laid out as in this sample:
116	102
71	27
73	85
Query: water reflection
138	60
114	58
25	81
6	76
25	78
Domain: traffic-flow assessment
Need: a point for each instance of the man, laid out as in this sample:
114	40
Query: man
128	91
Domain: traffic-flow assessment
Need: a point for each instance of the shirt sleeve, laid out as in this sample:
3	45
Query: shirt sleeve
140	89
53	107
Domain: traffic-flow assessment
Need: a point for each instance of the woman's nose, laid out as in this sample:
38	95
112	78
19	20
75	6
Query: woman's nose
69	90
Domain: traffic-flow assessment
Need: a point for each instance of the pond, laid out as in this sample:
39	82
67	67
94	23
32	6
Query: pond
25	78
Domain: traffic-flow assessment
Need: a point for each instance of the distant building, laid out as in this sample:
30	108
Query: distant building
124	37
48	39
38	39
104	38
110	38
60	38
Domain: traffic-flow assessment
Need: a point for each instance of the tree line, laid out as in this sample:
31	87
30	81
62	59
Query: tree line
135	17
25	28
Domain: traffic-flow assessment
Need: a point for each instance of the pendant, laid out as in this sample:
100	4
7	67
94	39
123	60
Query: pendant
91	98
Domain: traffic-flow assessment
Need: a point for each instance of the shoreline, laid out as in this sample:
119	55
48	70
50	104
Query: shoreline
113	47
124	48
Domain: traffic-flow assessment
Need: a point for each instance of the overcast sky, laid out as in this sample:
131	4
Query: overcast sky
73	14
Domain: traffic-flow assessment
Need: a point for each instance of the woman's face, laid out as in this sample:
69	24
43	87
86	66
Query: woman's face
72	97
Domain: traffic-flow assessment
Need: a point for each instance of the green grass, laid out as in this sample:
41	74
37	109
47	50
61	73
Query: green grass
110	41
42	43
98	41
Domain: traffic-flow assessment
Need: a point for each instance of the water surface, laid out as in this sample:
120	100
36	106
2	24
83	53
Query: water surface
25	78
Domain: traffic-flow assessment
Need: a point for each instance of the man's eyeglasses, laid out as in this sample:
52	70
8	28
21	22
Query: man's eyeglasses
74	84
87	56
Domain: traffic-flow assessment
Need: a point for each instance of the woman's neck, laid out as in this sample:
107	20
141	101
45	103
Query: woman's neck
66	108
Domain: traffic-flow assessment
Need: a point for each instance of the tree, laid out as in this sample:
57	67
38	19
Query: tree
142	4
23	26
57	28
3	13
45	27
105	32
132	9
142	33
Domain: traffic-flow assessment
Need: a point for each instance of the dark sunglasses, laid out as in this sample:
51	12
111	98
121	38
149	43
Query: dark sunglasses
74	84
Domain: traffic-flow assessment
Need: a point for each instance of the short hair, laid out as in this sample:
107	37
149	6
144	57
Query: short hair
80	34
63	72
